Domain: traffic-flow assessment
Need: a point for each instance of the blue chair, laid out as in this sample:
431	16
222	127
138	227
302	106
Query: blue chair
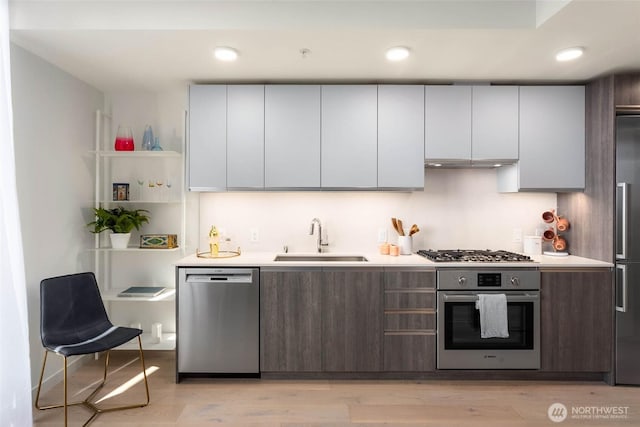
74	322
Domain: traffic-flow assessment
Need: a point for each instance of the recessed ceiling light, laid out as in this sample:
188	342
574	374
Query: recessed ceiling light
224	53
435	165
569	54
397	53
497	165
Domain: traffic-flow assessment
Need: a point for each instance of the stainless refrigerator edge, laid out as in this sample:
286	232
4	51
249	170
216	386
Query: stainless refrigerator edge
628	249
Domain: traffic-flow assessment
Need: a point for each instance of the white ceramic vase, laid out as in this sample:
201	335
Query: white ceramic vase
120	240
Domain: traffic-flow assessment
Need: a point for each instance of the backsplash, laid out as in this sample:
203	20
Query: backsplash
459	208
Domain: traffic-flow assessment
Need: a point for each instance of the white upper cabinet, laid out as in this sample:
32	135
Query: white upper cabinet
465	124
245	136
349	136
400	136
552	141
447	122
494	123
207	138
292	136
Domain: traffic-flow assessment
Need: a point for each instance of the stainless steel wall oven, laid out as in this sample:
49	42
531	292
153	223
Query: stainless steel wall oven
460	345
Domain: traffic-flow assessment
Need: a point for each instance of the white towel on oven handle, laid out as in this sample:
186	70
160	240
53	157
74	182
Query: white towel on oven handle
493	315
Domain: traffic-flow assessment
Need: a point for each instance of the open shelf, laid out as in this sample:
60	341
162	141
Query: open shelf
167	295
168	343
137	249
118	269
127	202
140	153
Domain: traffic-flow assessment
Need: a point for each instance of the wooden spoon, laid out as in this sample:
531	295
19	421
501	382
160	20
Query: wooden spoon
414	230
400	229
394	222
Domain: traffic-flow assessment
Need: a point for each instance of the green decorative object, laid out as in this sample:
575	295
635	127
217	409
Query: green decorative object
118	220
159	241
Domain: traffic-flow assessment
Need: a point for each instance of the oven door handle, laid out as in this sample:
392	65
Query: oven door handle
474	297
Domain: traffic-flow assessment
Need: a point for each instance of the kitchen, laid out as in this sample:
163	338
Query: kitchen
475	214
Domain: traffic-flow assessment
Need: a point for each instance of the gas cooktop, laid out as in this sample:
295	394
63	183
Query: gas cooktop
470	255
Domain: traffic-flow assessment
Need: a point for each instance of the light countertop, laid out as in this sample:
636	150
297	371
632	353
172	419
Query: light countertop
266	259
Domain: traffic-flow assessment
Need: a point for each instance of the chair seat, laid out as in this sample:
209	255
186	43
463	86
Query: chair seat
111	338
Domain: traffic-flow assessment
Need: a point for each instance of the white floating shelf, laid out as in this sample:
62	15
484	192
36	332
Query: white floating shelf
137	249
139	153
168	294
168	343
126	202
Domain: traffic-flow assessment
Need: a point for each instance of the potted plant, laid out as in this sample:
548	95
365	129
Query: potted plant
120	221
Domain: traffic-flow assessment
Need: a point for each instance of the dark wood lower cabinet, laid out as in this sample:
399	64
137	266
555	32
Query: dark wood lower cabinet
352	321
370	320
321	320
576	316
290	321
410	352
409	321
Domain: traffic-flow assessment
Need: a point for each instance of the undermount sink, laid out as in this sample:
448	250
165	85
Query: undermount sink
321	258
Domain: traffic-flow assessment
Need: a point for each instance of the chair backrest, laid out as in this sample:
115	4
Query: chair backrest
71	309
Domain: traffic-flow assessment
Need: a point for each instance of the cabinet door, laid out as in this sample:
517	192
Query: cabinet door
576	321
494	126
400	136
292	136
552	141
245	136
352	321
207	138
290	320
349	136
447	122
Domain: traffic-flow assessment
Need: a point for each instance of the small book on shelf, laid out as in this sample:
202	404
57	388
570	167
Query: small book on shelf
142	291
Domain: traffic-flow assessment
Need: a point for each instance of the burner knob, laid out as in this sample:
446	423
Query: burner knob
462	281
515	281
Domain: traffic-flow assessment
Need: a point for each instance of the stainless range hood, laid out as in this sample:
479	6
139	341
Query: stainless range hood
467	163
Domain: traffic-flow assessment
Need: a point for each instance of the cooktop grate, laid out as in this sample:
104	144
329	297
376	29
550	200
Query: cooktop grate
472	255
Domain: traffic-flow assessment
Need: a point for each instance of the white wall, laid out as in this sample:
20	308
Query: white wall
459	208
54	131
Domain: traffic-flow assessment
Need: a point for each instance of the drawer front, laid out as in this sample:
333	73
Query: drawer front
409	280
409	321
409	299
409	353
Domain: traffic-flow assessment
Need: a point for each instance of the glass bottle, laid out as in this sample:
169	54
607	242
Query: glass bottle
147	138
156	145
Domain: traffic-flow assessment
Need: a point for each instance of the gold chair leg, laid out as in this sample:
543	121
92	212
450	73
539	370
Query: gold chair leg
86	402
66	406
44	363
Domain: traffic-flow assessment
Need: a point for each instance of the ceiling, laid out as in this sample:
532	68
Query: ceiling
159	44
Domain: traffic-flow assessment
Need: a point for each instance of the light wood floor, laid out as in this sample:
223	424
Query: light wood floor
321	403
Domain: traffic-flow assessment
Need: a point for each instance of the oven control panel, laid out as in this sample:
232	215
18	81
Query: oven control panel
489	279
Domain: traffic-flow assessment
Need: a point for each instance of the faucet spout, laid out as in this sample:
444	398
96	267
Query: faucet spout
319	242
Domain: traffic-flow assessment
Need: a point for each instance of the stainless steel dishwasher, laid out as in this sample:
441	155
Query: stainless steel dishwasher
218	322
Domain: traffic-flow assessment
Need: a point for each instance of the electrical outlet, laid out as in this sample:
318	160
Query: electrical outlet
382	235
517	235
254	235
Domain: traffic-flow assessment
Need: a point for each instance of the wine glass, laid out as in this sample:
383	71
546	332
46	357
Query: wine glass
169	184
159	184
140	182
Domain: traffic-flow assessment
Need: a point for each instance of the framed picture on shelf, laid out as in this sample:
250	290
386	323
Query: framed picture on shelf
120	191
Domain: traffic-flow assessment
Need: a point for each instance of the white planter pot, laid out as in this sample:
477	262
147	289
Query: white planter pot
120	240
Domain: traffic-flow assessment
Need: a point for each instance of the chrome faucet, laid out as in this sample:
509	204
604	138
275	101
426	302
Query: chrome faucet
319	243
